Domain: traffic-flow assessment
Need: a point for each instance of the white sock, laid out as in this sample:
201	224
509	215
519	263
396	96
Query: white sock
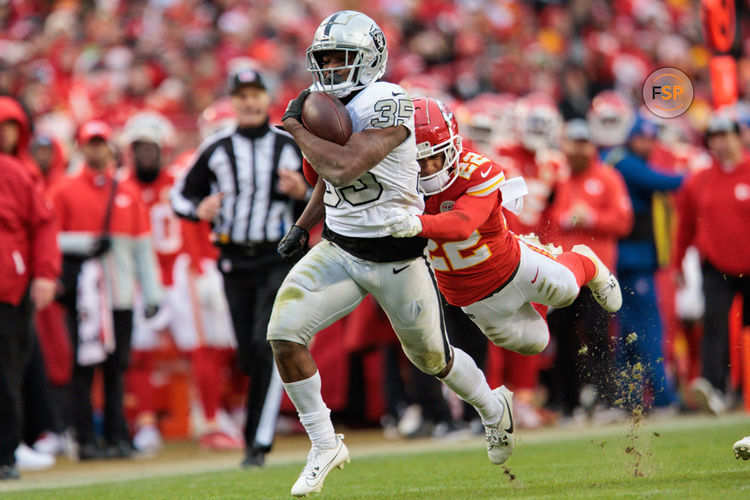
469	384
313	412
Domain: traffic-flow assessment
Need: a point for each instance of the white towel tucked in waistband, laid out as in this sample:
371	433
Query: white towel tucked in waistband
96	337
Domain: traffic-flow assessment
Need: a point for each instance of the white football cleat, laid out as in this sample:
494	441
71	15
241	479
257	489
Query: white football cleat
29	459
604	286
500	439
53	444
742	448
320	461
708	397
148	440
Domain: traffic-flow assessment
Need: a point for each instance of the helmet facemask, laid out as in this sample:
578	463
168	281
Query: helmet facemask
329	80
442	179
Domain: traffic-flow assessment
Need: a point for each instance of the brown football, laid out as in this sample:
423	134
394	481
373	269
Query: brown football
326	117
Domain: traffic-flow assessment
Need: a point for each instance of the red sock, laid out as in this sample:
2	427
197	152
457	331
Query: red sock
523	371
139	381
581	266
207	372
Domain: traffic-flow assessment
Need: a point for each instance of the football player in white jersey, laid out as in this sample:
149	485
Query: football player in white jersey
360	183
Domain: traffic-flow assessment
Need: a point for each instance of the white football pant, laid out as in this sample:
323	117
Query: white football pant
328	283
508	319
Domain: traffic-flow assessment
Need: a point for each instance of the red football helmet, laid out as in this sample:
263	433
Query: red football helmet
436	131
610	118
489	120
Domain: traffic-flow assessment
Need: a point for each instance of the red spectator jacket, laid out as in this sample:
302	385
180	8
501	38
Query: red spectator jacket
713	208
28	234
599	190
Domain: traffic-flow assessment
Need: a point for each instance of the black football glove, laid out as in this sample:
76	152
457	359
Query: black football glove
101	246
294	108
293	246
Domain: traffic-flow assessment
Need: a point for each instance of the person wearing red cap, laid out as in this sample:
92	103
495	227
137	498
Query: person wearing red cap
28	255
106	248
713	210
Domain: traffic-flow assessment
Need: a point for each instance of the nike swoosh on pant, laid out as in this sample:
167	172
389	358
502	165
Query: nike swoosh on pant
396	271
536	275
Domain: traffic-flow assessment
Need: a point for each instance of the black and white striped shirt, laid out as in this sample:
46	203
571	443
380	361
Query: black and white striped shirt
242	164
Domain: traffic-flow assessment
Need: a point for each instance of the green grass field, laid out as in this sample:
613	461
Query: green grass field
679	458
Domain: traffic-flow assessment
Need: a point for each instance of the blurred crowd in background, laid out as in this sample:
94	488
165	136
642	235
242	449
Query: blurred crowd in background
518	75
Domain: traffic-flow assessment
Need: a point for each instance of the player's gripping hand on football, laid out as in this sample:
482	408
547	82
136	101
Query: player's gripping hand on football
294	108
402	224
293	246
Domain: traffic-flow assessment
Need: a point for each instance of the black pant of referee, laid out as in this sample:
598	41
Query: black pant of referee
252	275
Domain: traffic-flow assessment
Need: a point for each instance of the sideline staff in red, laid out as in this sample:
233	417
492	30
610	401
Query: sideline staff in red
713	208
28	252
104	236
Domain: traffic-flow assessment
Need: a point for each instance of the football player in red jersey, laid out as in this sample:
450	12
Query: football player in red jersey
491	273
536	158
194	309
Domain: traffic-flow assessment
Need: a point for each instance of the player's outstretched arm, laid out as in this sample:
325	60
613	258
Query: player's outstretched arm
468	213
342	165
457	224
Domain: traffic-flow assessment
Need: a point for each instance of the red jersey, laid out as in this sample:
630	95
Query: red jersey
713	208
542	171
170	235
601	194
471	249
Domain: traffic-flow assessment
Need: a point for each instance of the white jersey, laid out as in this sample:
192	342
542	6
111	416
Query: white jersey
360	209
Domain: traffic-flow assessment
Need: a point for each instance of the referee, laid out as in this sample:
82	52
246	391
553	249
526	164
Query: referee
246	180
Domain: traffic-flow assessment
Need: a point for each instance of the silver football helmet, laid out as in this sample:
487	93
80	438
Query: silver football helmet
363	42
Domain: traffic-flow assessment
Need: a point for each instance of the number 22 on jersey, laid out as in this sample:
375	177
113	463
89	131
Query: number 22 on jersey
458	254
